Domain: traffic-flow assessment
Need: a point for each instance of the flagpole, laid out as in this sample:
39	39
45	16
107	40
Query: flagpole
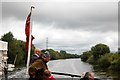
29	44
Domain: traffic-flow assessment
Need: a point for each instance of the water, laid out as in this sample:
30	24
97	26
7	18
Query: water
72	66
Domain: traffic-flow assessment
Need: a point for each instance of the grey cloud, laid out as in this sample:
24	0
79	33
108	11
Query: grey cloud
100	16
119	24
19	10
97	17
0	18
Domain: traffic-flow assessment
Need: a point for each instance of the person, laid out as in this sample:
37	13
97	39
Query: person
37	55
5	70
6	73
87	76
39	69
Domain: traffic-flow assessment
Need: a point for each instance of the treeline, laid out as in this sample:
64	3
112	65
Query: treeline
101	57
16	49
61	55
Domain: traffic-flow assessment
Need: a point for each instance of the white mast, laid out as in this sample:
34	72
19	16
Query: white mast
47	43
29	44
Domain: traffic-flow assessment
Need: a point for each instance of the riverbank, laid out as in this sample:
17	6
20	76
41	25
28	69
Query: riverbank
109	74
103	60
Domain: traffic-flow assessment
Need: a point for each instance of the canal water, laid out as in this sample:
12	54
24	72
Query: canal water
71	66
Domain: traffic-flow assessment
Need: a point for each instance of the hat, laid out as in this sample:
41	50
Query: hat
46	54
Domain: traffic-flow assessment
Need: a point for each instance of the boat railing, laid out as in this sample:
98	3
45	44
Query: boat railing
66	74
71	75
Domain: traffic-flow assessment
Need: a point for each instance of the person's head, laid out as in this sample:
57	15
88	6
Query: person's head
88	75
38	51
46	56
46	74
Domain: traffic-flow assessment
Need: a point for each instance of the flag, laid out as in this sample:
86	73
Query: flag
27	32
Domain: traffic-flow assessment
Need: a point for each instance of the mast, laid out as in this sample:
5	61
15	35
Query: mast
29	45
46	43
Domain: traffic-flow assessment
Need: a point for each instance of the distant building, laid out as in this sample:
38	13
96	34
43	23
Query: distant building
3	56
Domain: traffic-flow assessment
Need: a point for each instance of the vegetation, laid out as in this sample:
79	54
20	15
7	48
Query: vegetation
60	55
16	48
85	56
98	50
101	57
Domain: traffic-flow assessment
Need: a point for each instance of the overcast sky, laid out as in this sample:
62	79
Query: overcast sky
73	26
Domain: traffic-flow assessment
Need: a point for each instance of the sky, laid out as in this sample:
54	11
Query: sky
71	25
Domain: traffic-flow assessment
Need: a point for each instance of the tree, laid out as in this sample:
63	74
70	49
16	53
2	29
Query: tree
8	37
104	61
85	56
99	49
63	54
118	50
16	48
53	54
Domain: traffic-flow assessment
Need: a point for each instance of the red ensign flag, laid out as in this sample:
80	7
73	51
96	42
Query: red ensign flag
27	32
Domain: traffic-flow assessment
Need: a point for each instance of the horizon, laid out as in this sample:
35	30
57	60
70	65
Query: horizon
67	51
